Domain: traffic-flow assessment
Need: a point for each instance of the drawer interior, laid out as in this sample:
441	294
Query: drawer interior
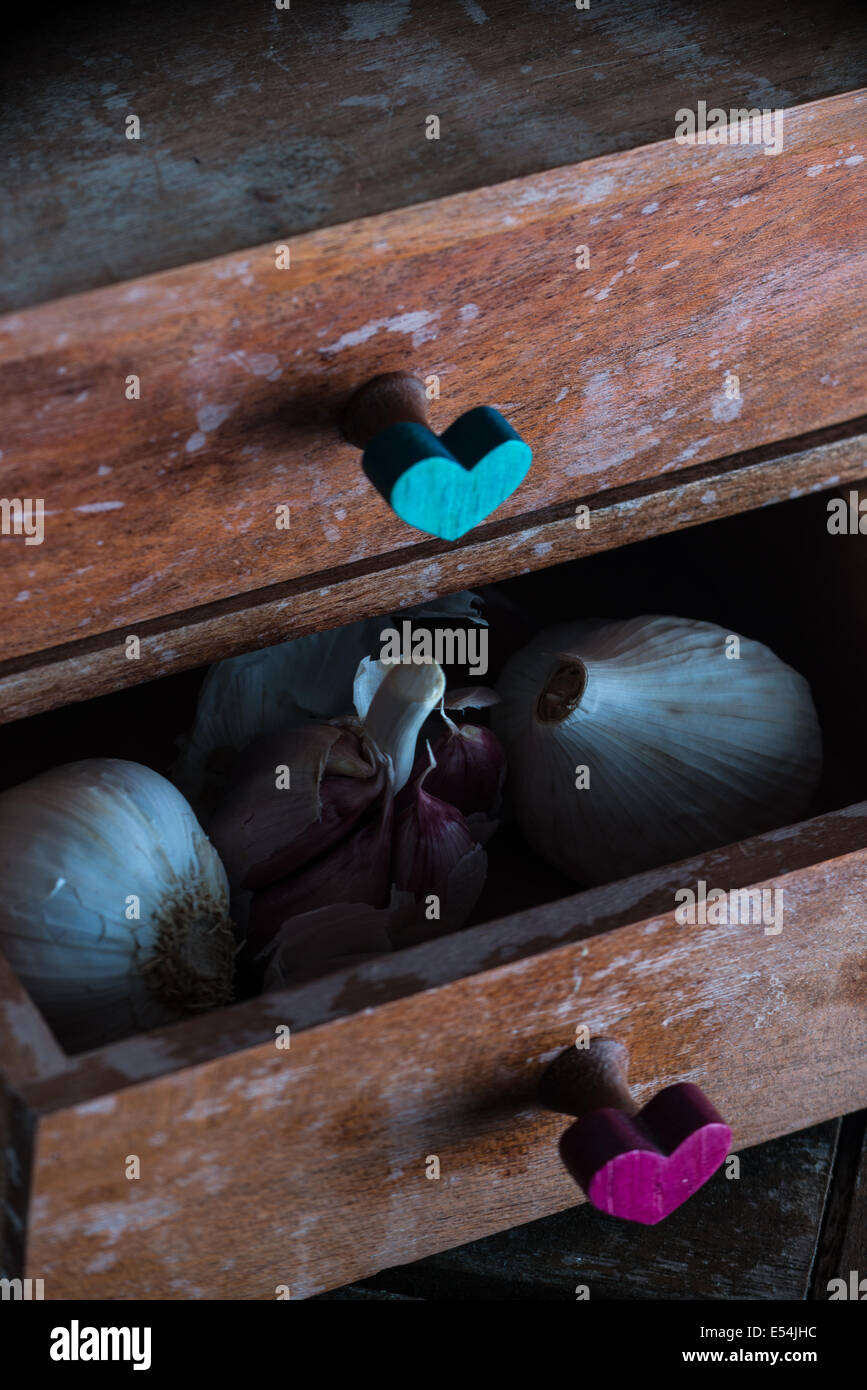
775	575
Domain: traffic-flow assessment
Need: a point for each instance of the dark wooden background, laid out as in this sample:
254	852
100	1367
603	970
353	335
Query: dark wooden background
260	123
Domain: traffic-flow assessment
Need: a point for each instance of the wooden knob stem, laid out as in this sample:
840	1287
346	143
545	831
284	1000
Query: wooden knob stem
591	1078
390	399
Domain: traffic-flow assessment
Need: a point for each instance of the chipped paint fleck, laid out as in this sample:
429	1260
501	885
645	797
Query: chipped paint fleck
418	324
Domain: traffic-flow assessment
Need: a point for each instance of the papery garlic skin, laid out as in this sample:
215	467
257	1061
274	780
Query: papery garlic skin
82	846
330	938
686	748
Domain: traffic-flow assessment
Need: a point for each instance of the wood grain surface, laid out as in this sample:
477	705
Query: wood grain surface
612	375
318	1153
257	124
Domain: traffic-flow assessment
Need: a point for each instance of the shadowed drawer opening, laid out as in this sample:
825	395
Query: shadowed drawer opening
777	575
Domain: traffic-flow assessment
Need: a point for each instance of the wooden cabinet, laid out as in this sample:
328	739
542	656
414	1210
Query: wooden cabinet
707	264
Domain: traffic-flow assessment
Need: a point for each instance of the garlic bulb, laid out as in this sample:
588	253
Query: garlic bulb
114	912
308	822
637	743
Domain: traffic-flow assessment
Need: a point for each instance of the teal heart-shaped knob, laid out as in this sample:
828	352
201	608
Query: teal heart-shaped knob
442	484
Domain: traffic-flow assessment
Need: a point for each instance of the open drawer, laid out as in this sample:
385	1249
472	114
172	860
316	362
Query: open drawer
306	1167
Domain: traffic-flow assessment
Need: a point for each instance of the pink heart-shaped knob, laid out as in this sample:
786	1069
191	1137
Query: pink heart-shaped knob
642	1167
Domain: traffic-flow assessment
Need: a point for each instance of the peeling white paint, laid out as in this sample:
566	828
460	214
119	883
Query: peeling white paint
726	408
419	324
210	417
598	189
692	449
103	1106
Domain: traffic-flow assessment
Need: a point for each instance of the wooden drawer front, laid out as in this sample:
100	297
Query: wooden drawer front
79	671
307	1166
704	261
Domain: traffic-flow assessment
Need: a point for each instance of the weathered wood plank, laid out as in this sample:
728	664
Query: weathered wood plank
257	124
16	1152
770	1027
842	1248
82	670
747	1238
853	1253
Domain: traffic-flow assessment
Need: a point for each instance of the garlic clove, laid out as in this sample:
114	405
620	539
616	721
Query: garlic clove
318	942
685	747
471	697
350	756
290	806
469	768
393	702
357	870
464	882
115	906
436	859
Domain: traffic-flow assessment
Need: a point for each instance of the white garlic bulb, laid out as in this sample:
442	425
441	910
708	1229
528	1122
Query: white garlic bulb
636	743
114	910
